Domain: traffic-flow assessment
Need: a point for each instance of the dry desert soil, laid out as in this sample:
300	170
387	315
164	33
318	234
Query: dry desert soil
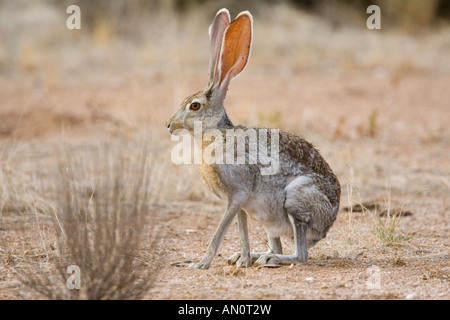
378	110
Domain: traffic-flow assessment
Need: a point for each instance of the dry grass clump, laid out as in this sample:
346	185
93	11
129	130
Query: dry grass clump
383	220
102	213
388	229
18	193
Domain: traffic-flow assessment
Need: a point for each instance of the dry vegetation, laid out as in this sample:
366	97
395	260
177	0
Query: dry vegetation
101	211
376	103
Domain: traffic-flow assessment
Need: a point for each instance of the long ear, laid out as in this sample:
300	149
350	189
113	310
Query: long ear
216	34
236	49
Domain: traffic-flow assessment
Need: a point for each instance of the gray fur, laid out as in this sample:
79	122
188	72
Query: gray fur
300	202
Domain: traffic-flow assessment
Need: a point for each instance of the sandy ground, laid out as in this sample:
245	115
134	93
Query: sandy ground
405	172
383	128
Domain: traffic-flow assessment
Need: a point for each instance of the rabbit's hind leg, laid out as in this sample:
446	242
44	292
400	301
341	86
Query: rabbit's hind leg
305	205
300	254
245	258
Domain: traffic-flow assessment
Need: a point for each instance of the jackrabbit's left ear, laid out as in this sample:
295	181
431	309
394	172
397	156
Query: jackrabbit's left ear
216	33
235	50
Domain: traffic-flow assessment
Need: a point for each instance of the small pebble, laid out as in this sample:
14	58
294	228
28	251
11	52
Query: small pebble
309	279
412	296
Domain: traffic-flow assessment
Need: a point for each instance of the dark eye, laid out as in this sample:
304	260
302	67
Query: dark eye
194	106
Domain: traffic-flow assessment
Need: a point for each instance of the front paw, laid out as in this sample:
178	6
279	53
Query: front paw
240	261
268	259
203	264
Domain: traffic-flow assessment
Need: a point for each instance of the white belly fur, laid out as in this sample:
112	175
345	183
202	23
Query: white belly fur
264	209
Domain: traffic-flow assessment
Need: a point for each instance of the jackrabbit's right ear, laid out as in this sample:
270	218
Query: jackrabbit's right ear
235	52
216	34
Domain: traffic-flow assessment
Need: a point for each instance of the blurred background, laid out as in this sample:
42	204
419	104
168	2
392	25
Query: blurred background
376	103
144	45
315	70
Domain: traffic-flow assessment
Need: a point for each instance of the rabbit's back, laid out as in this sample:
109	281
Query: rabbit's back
300	157
296	157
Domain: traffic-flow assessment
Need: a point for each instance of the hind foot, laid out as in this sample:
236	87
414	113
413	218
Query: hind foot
278	259
247	261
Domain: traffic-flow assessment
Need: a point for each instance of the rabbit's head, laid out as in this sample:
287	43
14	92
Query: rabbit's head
230	51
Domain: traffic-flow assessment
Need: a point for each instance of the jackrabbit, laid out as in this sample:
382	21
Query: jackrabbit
299	201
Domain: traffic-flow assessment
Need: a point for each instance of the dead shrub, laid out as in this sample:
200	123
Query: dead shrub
103	210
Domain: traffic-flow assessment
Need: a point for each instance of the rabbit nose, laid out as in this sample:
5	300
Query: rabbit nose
169	126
